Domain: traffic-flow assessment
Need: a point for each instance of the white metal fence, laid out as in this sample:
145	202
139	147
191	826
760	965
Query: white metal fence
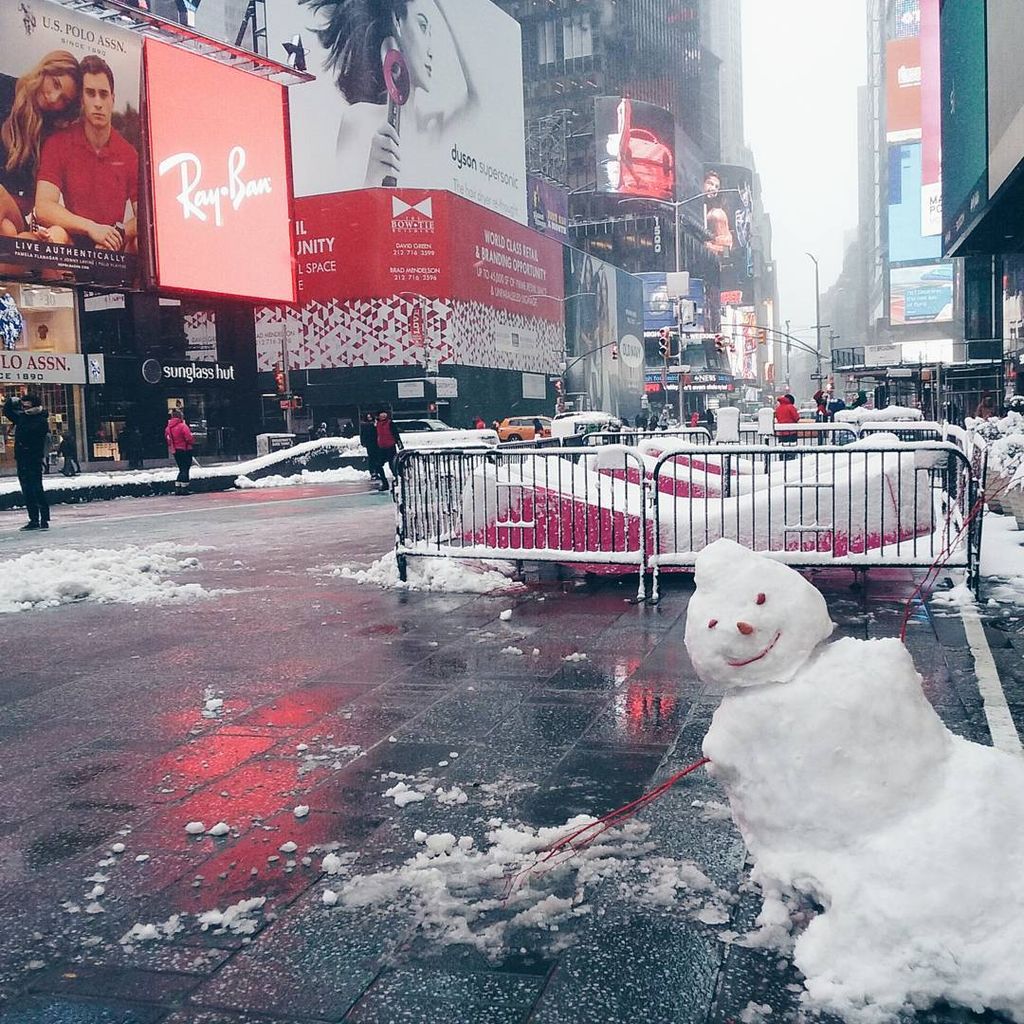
618	508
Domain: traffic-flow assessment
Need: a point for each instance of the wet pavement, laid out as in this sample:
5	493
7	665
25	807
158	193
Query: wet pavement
331	692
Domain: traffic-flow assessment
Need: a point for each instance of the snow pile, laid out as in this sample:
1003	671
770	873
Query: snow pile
131	575
461	894
151	932
403	794
865	415
343	475
439	575
236	919
851	793
1002	559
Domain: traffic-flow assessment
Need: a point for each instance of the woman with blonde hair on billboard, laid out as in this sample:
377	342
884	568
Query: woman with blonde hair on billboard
383	52
45	99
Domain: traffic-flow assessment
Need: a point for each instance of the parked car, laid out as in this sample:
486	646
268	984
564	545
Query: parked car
521	428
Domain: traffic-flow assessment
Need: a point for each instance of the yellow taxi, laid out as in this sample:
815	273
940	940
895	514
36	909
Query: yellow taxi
523	428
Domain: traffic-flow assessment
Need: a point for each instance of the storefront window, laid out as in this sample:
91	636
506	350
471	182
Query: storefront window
48	326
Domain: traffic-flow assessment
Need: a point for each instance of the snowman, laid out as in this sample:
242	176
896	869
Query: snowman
851	793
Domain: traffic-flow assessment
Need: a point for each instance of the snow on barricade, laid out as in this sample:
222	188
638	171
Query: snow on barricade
430	573
686	474
343	475
130	575
887	849
890	412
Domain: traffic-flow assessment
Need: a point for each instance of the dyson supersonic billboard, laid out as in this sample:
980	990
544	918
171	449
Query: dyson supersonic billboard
437	280
407	95
221	207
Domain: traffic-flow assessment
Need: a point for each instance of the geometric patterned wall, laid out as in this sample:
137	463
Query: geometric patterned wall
375	332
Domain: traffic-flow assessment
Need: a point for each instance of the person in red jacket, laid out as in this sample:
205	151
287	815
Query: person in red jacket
179	444
786	412
388	443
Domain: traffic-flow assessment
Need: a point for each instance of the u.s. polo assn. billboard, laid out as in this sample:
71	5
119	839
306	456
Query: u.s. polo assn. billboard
426	94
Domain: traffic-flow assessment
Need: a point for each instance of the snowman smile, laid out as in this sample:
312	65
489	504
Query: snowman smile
757	657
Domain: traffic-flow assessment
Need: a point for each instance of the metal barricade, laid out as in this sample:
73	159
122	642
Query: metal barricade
587	506
859	507
816	433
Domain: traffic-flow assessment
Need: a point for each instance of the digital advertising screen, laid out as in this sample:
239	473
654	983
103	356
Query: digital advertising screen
903	89
221	203
549	207
431	98
69	145
635	148
908	242
728	225
964	120
922	294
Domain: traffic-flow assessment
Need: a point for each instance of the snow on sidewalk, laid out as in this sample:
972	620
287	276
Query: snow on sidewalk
344	475
439	575
130	575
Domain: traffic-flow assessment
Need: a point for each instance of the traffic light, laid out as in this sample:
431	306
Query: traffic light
559	387
721	343
297	402
615	351
762	337
664	340
280	384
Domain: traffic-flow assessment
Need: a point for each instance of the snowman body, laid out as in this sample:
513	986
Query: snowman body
847	786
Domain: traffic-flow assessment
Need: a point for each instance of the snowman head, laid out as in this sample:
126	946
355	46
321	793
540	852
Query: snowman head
751	620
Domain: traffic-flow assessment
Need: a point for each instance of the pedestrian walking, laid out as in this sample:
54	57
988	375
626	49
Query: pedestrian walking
179	443
31	431
368	438
131	443
388	441
694	419
68	451
663	419
479	423
787	412
986	407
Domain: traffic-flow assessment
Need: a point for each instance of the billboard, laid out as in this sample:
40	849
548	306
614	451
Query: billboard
660	310
964	85
220	198
69	145
436	280
908	242
429	98
1005	92
931	121
903	89
728	225
604	331
549	207
921	294
635	144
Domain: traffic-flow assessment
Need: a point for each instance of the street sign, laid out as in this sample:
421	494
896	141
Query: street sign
817	376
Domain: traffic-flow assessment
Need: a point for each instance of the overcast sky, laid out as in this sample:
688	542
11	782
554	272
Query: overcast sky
802	63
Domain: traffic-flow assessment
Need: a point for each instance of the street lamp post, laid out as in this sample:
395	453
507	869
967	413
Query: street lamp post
817	316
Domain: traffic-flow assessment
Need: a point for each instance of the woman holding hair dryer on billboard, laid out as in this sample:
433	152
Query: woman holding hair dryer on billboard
383	53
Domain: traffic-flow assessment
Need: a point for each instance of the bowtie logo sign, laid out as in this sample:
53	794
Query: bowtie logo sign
425	207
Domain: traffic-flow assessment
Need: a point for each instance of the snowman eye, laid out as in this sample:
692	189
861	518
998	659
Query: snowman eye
712	623
761	599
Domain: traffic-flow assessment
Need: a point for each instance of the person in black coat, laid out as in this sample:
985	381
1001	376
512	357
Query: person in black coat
31	430
368	439
69	453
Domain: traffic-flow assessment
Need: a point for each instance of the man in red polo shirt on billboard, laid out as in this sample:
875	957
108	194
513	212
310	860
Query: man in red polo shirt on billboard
93	169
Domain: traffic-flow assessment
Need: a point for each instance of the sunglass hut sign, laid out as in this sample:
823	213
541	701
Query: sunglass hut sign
205	198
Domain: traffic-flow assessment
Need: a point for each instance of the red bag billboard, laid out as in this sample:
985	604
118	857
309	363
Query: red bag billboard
219	173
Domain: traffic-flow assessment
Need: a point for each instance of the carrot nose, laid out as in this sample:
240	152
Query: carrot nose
745	628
